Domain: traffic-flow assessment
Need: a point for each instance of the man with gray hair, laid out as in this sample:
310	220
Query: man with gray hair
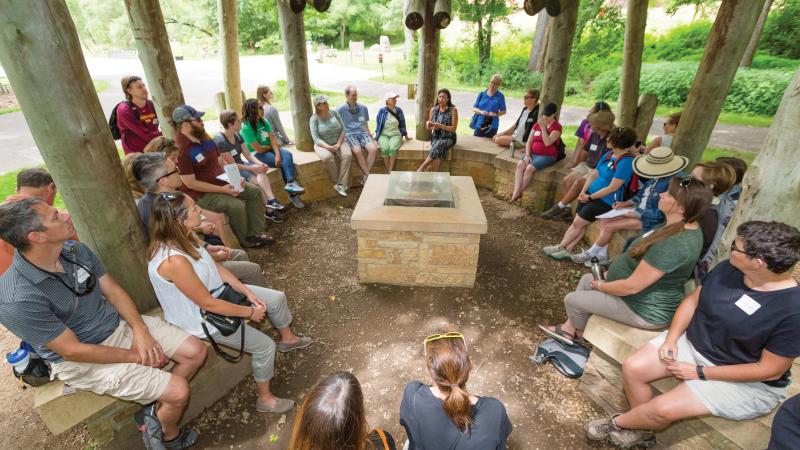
157	174
355	117
57	297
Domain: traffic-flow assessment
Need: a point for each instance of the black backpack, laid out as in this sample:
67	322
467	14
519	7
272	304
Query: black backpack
562	150
112	120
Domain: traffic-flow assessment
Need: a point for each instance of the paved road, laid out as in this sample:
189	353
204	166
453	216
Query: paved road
200	79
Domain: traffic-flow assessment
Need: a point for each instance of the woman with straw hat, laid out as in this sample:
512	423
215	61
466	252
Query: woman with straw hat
658	167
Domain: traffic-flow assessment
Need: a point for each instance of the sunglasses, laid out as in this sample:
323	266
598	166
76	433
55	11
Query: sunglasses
169	197
131	80
736	249
686	182
167	174
436	337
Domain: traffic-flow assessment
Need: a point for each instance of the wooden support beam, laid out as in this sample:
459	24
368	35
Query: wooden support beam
415	14
561	30
428	72
320	5
152	44
72	134
771	185
297	6
441	14
726	43
294	53
635	23
229	49
645	111
539	47
755	37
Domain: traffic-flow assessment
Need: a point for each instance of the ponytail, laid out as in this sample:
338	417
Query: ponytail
458	407
449	365
644	245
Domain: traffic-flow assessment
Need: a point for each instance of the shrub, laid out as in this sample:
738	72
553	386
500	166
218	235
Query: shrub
774	62
753	91
508	58
682	43
781	34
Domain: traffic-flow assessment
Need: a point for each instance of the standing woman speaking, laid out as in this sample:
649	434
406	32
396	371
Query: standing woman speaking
488	107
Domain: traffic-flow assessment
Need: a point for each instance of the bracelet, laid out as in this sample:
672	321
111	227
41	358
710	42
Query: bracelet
252	310
700	373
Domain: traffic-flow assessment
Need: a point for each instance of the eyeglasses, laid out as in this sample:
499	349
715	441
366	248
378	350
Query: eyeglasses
686	182
131	80
169	197
735	249
528	96
436	337
167	174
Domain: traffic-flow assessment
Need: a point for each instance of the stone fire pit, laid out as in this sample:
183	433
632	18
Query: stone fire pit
418	229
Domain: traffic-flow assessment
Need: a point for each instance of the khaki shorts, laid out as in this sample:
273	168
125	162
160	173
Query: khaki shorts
126	381
582	169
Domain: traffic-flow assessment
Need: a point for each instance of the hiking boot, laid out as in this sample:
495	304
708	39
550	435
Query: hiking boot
552	212
565	214
274	204
550	249
561	255
623	438
186	438
273	216
295	199
583	258
599	429
602	260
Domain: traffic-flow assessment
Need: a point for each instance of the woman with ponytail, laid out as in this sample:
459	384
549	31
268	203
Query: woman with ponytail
730	345
644	285
445	415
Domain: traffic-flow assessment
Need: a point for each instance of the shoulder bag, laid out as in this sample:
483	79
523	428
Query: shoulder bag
224	324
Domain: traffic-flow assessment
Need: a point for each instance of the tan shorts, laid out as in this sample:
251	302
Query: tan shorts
126	381
582	169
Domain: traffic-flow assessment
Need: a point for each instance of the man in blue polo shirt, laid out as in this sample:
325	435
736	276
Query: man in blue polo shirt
57	297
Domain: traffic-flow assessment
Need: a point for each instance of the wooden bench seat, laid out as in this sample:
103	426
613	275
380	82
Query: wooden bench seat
602	381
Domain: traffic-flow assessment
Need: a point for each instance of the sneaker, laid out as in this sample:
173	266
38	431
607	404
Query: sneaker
341	189
282	406
599	429
185	439
150	427
274	204
552	212
273	216
293	188
304	342
623	438
364	178
295	199
550	249
561	255
584	258
565	214
603	260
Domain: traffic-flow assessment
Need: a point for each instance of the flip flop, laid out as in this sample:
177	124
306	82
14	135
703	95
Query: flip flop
559	334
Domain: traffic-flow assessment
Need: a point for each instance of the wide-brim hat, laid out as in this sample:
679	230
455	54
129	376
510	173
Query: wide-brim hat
660	162
602	120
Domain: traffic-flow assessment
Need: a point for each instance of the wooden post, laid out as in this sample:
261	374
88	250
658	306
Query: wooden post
152	44
294	53
539	47
229	49
441	14
645	111
320	5
415	14
408	35
428	71
750	51
73	137
726	43
559	48
635	23
771	185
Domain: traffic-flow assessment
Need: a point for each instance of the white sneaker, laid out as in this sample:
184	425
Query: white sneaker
583	258
364	179
342	190
550	249
602	260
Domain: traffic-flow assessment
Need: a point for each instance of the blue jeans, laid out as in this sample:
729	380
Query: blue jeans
287	163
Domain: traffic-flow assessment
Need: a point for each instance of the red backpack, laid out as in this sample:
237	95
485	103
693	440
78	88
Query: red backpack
633	184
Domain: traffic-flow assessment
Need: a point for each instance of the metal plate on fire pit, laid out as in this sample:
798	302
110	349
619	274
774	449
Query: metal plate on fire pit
428	189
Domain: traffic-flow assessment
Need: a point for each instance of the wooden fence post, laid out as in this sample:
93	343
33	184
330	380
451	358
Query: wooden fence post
294	53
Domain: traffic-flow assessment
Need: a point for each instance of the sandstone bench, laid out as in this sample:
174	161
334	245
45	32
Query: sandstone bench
110	421
602	381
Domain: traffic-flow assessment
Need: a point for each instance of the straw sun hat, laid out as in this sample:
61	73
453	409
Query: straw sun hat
660	162
602	120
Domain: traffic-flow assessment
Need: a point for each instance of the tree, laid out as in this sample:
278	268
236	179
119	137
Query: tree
702	8
755	38
483	14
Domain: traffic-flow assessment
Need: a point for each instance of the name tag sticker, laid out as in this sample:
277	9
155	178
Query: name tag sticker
264	135
360	118
199	158
81	275
234	153
747	304
155	121
537	133
593	147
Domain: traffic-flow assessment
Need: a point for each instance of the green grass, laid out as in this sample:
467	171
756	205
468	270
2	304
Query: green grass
9	110
99	86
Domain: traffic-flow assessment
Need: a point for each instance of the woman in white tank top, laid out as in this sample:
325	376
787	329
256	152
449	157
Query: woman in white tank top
183	275
665	140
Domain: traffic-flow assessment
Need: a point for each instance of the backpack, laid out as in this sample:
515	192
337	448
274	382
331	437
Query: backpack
112	120
561	148
633	184
567	359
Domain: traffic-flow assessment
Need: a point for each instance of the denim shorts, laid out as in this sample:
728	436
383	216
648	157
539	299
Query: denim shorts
540	162
246	174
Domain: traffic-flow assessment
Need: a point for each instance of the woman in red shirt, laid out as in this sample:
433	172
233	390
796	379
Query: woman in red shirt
540	149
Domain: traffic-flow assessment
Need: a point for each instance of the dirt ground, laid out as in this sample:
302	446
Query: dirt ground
376	332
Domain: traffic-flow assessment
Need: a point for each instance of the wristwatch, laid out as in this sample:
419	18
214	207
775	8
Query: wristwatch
589	196
700	373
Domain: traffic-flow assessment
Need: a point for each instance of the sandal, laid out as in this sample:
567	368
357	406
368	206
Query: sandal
559	334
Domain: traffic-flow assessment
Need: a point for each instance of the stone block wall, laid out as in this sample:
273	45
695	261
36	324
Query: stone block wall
540	195
416	258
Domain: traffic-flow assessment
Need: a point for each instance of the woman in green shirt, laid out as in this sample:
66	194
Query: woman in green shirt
327	131
644	285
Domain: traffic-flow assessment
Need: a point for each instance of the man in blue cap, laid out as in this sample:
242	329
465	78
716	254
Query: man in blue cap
199	168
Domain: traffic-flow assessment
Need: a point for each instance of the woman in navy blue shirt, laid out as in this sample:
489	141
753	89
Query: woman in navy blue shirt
488	107
731	343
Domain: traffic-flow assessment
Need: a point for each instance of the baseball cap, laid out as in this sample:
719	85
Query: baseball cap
185	113
320	99
390	95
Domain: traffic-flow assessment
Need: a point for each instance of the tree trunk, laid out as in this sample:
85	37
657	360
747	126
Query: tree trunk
229	49
771	185
559	48
294	53
73	137
750	51
645	111
635	23
342	29
726	42
152	44
428	72
539	47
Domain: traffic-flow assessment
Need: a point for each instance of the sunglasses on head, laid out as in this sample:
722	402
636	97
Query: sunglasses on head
436	337
169	197
131	80
686	182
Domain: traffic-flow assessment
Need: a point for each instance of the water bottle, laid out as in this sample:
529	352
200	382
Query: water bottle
597	269
511	148
19	360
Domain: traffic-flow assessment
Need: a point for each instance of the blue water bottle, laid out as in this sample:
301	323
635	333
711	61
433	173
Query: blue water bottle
19	359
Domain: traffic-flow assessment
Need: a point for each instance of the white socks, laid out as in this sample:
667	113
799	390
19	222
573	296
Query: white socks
561	205
596	250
